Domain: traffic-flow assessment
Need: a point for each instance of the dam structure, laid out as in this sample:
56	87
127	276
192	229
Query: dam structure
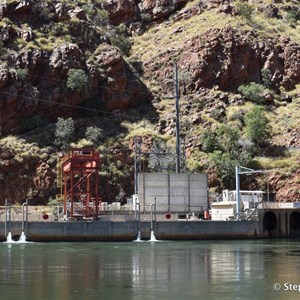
47	224
166	206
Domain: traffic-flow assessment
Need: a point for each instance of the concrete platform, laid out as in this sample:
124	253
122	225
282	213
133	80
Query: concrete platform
272	223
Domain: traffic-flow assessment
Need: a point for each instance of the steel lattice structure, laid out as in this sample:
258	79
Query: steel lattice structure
81	183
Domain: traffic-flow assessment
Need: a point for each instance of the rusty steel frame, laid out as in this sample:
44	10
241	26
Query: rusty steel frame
81	182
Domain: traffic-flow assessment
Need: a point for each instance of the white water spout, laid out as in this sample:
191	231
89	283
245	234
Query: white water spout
9	238
153	238
22	238
139	237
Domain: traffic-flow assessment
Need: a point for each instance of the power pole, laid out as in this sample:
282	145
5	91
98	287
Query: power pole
177	120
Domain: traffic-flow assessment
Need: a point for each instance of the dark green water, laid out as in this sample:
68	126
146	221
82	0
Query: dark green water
150	270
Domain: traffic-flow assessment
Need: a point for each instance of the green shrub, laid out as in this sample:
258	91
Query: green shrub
257	126
253	91
122	42
266	78
77	79
292	17
245	10
22	74
64	132
94	134
209	141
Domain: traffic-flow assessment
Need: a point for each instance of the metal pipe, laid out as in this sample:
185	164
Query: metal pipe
23	215
155	214
9	217
5	225
237	190
152	204
138	215
178	158
26	217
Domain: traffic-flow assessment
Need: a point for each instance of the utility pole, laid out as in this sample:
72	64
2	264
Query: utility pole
177	120
239	170
137	160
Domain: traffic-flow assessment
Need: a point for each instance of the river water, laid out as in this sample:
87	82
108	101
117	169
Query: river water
151	270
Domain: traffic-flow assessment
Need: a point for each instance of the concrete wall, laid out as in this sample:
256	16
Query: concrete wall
127	231
276	223
173	192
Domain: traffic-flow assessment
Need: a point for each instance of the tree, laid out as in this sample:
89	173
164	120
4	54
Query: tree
253	91
77	79
266	78
209	141
227	149
257	126
228	137
93	134
64	133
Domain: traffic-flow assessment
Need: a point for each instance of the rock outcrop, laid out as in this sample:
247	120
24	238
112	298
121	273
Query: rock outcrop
224	59
42	41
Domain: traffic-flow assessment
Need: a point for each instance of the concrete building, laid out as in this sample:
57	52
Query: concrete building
175	193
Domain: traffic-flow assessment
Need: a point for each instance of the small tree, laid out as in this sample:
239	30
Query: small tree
64	133
93	134
253	91
257	126
77	79
229	150
22	74
209	141
122	42
266	78
228	137
245	10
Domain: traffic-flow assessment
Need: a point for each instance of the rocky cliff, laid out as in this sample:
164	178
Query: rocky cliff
125	51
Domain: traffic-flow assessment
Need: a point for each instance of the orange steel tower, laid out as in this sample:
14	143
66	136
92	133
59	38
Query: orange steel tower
81	182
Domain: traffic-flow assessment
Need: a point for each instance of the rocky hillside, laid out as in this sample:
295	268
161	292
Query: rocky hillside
109	65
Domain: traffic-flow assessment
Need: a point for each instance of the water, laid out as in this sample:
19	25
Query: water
139	237
10	240
22	238
164	270
152	237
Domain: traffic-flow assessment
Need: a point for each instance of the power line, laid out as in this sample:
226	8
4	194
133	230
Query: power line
98	86
78	107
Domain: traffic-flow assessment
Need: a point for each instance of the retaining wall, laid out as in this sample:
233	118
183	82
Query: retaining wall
273	223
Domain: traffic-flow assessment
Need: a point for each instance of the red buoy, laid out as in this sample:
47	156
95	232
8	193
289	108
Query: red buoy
45	216
168	216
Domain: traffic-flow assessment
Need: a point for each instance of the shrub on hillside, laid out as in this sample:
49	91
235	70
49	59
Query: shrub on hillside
293	16
245	10
77	79
64	132
22	74
94	134
254	92
257	126
122	42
